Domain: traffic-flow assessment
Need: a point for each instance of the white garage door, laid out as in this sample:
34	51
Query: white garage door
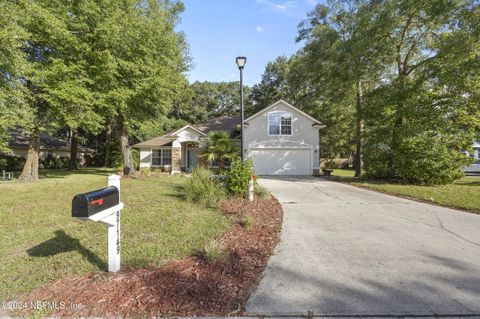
281	161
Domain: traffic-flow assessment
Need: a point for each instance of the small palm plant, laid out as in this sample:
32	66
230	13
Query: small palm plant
219	147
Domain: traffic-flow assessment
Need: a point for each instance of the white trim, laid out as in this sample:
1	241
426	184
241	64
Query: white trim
287	104
301	145
280	126
188	126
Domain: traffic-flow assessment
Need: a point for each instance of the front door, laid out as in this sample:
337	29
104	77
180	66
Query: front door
191	158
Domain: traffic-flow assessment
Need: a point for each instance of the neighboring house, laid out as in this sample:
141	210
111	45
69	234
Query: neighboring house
49	146
280	139
476	152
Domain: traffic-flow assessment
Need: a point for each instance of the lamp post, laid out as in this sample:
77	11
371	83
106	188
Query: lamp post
241	60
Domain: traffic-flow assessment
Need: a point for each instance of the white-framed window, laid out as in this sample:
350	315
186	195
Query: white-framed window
162	157
279	123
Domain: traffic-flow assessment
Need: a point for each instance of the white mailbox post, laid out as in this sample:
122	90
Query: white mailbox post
103	206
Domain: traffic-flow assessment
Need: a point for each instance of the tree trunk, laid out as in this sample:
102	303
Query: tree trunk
108	144
128	167
30	169
397	126
73	148
359	132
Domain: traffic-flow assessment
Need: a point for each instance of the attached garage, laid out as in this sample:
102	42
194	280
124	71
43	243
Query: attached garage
282	161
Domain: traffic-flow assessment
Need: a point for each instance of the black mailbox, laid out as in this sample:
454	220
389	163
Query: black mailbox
88	204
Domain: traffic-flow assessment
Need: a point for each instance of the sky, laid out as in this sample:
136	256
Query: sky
220	30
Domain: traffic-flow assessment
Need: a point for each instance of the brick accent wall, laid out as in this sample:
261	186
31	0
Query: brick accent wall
176	159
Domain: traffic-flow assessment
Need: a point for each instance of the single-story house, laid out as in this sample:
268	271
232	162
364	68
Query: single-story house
280	140
19	142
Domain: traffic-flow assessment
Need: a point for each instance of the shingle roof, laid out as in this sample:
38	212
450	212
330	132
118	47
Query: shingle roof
222	123
19	138
163	140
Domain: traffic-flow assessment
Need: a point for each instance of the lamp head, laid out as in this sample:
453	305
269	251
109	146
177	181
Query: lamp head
241	60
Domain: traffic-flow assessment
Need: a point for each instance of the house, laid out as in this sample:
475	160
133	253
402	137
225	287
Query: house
50	146
280	140
476	152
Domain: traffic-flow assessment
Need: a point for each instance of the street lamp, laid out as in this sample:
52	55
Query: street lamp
241	60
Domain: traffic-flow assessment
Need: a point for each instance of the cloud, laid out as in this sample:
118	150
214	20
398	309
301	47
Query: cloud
259	29
281	6
312	2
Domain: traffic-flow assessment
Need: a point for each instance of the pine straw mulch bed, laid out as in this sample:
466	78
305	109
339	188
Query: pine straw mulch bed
187	287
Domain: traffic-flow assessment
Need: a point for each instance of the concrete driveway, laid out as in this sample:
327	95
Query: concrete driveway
346	251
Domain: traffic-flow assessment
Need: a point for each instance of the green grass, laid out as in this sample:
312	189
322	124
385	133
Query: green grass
41	242
463	194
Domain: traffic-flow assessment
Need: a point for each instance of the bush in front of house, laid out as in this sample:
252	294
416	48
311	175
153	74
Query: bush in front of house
239	176
261	192
212	251
203	188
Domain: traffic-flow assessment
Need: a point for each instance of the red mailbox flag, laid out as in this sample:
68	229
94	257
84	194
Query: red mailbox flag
98	201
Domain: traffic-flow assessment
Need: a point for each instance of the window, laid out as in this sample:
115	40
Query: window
279	123
161	157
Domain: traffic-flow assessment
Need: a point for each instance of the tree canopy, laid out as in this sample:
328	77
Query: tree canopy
396	79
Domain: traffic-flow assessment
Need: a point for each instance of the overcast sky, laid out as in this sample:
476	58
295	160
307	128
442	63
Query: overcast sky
220	30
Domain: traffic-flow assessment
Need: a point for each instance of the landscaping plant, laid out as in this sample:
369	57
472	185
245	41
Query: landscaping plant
239	176
212	251
203	188
219	147
261	192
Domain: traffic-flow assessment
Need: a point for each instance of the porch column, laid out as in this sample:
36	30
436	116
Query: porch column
176	159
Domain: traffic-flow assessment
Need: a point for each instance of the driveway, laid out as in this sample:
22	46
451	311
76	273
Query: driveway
346	251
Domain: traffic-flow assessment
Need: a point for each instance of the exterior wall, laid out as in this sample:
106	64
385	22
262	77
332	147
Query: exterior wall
176	159
303	134
187	135
145	157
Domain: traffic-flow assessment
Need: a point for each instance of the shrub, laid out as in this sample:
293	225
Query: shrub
422	159
261	192
212	251
246	221
331	164
239	176
145	171
203	188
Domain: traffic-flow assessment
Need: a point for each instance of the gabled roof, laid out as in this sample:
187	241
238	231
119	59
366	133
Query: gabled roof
288	105
229	124
184	128
20	139
163	140
223	123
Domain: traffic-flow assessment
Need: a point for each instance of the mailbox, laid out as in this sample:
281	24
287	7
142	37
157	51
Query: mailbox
91	203
104	206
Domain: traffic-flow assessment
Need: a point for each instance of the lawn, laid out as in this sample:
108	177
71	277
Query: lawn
40	242
463	194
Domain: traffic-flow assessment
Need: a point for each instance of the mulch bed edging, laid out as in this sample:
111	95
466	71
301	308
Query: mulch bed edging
187	287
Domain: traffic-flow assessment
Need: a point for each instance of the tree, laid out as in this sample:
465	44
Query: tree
342	58
219	147
14	108
405	69
207	100
47	41
418	120
140	61
273	86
